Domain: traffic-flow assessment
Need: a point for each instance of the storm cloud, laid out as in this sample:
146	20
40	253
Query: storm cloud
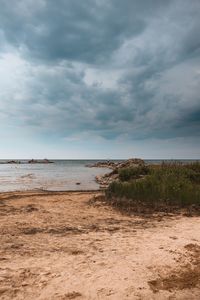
112	70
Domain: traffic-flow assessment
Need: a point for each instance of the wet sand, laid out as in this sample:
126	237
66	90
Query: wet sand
65	246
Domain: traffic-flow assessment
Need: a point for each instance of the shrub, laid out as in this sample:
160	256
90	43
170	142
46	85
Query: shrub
195	166
127	174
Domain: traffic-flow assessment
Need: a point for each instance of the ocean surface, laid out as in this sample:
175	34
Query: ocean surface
62	175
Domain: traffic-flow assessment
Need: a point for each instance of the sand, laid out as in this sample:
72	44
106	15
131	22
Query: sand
64	246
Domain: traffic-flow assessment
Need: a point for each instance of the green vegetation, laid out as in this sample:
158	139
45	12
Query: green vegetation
157	186
127	174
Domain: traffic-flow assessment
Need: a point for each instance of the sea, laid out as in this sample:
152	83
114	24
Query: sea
61	175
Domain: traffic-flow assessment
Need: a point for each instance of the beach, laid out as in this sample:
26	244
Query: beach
72	245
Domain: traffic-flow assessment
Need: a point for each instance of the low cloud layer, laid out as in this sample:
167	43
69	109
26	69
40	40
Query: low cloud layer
111	70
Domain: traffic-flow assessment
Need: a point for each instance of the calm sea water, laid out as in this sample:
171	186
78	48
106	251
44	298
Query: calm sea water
62	175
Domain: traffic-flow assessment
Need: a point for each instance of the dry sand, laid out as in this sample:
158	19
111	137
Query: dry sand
62	246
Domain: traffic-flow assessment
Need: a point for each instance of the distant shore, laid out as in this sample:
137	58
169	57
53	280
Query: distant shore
30	161
100	163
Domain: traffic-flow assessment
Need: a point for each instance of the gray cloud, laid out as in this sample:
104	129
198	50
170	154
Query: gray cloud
150	49
55	30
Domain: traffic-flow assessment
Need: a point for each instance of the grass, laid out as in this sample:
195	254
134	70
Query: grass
171	184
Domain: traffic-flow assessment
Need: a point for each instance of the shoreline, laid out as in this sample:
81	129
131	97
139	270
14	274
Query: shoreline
47	192
71	245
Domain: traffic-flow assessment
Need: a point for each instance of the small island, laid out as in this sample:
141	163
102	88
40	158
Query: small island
44	161
13	162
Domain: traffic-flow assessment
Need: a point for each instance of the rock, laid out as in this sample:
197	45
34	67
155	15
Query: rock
133	162
104	164
44	161
105	180
13	162
32	161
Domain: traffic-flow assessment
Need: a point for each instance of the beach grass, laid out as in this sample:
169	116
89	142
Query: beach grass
168	184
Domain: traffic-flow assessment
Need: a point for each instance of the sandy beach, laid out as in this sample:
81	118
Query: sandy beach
73	246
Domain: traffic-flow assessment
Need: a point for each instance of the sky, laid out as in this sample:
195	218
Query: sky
100	79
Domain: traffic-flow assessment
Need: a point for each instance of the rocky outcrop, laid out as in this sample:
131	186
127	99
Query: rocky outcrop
105	180
132	162
44	161
103	164
13	162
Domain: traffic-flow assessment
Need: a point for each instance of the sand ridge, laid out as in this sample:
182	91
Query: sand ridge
65	246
